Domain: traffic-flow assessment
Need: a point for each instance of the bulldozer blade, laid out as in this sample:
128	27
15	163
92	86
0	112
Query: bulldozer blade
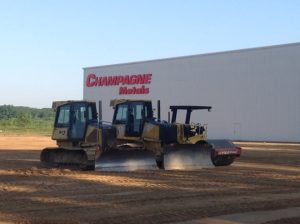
126	160
187	157
56	157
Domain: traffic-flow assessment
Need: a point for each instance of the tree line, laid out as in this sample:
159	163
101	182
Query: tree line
25	117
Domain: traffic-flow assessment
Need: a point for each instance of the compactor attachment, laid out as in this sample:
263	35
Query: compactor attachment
224	152
126	160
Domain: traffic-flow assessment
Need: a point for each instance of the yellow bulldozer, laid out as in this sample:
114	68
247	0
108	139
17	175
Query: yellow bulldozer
134	140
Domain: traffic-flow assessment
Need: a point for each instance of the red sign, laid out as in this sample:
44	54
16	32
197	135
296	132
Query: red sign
124	81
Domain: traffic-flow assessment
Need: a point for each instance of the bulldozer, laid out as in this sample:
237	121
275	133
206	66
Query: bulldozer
134	140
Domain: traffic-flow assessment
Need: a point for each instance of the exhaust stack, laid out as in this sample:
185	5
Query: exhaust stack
100	111
158	109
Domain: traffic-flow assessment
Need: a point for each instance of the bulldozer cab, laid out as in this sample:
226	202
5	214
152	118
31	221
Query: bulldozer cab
130	116
192	132
72	119
188	109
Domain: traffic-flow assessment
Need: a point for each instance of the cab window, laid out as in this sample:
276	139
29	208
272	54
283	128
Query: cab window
64	115
121	115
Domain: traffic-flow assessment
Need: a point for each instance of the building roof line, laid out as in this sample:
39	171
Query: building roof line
198	55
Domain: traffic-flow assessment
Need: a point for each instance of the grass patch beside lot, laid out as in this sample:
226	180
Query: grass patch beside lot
25	120
36	127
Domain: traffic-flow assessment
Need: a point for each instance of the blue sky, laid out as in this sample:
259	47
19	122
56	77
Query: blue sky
45	44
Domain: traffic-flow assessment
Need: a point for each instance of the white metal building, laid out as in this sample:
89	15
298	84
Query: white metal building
255	93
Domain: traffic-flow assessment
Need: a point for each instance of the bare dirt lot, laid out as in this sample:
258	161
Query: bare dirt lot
266	177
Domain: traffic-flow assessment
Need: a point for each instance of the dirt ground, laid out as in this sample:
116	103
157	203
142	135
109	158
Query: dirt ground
266	177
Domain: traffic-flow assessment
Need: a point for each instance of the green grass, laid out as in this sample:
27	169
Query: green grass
18	120
36	127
